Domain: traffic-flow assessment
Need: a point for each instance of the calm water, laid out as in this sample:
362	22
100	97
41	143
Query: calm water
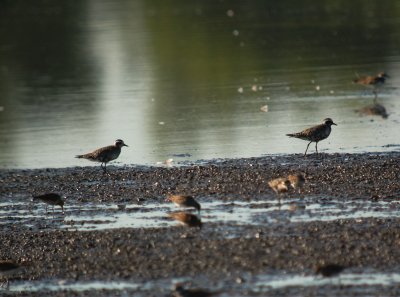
186	79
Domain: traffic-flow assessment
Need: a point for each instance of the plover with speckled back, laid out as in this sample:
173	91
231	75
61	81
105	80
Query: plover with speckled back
373	81
51	199
315	134
105	154
183	201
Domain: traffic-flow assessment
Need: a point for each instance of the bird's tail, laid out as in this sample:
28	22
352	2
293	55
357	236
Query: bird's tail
291	135
79	156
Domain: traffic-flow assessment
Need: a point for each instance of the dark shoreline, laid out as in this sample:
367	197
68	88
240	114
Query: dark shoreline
158	253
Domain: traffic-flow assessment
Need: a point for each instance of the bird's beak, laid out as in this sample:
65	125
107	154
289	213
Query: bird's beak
334	124
125	145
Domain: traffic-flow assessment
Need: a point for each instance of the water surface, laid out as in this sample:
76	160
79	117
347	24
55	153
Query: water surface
186	80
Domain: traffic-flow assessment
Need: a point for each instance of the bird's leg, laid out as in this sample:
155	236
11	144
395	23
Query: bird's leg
307	149
5	284
375	91
316	148
103	167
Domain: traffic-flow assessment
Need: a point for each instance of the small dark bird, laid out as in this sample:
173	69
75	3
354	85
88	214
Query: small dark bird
297	181
104	154
184	201
372	81
7	269
180	291
51	199
187	219
315	134
329	270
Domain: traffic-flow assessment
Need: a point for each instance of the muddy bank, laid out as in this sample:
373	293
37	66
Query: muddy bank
210	257
338	175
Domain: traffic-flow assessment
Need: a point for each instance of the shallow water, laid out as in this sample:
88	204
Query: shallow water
360	281
187	81
91	216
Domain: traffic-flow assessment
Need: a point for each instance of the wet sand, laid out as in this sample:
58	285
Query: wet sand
226	258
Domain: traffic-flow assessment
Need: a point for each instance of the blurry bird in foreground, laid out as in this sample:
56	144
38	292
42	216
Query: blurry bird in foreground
279	185
51	199
180	291
328	270
283	185
297	181
7	268
372	81
184	201
187	219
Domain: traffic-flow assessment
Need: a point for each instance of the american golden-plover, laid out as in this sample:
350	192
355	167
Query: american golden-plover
183	201
7	268
372	81
315	134
105	154
187	219
51	199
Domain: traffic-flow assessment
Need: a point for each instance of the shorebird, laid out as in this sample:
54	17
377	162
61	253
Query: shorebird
7	269
279	185
315	134
329	270
180	291
372	81
297	181
51	199
105	154
187	219
184	201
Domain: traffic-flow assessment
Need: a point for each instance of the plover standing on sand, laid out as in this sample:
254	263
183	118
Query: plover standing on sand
373	81
184	201
7	269
51	199
315	134
105	154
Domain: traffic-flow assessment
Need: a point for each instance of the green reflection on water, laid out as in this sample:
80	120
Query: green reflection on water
88	72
